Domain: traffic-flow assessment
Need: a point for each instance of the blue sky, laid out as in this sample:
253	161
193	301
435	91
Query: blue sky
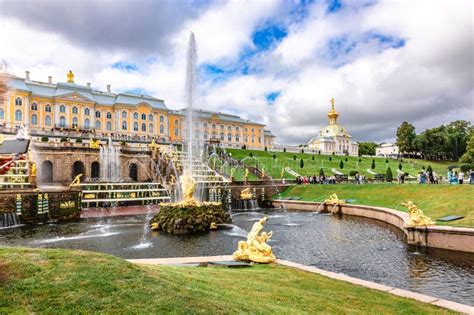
276	62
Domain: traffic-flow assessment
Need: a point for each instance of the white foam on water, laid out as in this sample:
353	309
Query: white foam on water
70	238
142	245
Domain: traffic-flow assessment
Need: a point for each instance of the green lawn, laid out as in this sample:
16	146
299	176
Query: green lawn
435	200
58	281
311	167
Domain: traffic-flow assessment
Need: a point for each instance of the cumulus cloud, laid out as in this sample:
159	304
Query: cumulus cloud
383	62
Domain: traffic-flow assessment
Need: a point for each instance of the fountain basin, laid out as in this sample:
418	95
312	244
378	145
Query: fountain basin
188	217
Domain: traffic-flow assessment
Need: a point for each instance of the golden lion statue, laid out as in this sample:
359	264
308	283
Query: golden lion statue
334	200
94	144
246	194
256	248
416	217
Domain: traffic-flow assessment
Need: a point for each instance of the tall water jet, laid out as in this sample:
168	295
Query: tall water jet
109	162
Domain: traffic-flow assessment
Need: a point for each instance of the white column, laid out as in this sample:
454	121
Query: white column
26	118
40	116
117	120
56	113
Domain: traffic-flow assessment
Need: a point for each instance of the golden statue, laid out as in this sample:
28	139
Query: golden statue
33	169
263	172
70	77
94	144
282	172
154	146
246	175
2	138
416	217
76	181
231	173
246	194
213	226
256	248
188	186
332	103
334	200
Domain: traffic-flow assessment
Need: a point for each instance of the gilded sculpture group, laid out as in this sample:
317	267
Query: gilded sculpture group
255	248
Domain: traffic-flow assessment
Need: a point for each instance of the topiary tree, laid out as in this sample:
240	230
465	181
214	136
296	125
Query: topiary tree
373	164
301	163
251	154
64	139
274	156
44	139
346	159
360	160
284	149
79	140
312	158
341	165
330	158
423	167
400	166
389	175
321	172
302	150
429	169
386	161
294	157
265	148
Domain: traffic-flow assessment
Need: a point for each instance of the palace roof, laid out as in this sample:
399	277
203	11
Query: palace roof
204	114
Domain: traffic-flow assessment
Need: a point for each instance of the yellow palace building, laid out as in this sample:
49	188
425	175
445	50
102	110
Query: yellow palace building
46	107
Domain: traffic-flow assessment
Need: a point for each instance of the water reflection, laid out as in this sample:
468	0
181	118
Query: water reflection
358	247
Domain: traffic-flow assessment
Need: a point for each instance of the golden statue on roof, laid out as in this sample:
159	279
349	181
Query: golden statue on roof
332	103
70	77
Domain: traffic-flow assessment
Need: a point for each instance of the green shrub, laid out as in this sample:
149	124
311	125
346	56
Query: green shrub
321	172
386	161
123	142
312	158
341	165
78	140
294	157
274	156
346	159
265	148
301	163
353	173
284	149
389	175
44	139
64	139
251	154
373	164
429	169
400	166
330	158
360	160
466	167
302	150
406	174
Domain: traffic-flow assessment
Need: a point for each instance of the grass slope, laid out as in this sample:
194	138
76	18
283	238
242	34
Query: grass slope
311	167
436	201
62	281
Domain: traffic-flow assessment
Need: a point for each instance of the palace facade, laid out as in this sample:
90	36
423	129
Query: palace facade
46	107
334	139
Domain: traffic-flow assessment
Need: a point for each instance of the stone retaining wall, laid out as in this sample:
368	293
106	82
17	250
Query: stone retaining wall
444	237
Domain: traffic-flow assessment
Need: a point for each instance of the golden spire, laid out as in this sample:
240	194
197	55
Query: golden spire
332	115
332	103
70	77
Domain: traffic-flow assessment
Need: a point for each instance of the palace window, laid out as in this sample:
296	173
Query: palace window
18	101
245	129
144	127
237	129
259	140
162	119
87	111
74	122
246	138
87	123
253	130
109	115
135	126
205	135
253	139
18	115
213	126
109	126
150	128
62	121
97	114
47	108
135	115
162	129
97	124
124	124
143	116
222	136
176	122
2	114
74	110
176	131
205	125
222	127
124	115
34	119
34	106
150	117
229	128
229	137
237	139
47	121
62	109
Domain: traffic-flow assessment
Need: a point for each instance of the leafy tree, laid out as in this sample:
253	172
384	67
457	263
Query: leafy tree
388	174
400	166
458	134
373	164
429	169
468	157
284	149
406	138
321	172
341	165
294	157
367	148
301	163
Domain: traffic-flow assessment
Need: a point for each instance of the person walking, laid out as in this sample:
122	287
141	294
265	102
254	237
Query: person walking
461	177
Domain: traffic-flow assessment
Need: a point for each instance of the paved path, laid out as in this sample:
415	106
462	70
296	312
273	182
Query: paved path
458	307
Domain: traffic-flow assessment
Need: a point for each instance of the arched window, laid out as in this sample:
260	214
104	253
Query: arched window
97	114
87	123
162	129
205	135
150	128
62	121
75	110
213	126
95	170
86	111
229	128
34	119
34	106
97	124
237	139
135	115
78	168
222	136
47	108
150	117
176	132
236	128
109	115
124	125
18	101
229	137
135	126
133	172
18	115
62	109
222	127
74	122
253	139
2	113
124	115
143	116
47	121
143	127
162	119
109	126
176	122
46	172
